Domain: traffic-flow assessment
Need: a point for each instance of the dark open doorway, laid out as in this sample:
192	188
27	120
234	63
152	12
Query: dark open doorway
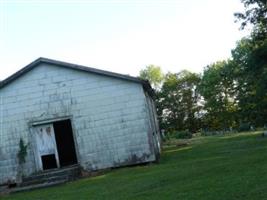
65	143
49	161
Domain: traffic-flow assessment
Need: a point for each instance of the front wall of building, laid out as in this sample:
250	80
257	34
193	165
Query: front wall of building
110	118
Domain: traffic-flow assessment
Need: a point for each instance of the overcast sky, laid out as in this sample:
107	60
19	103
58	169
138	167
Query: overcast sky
118	35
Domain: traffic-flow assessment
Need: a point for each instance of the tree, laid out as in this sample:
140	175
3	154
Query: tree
250	57
255	14
177	102
153	74
217	86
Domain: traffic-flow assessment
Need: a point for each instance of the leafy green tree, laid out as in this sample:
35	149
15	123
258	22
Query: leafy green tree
255	14
178	102
250	57
153	74
217	86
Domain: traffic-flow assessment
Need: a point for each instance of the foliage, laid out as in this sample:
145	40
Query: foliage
177	102
232	166
244	127
229	94
183	134
153	74
235	91
217	87
255	14
250	58
22	153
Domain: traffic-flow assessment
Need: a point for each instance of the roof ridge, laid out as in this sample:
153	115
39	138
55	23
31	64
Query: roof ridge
68	65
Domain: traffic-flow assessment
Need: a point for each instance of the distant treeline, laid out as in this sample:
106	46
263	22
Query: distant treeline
229	94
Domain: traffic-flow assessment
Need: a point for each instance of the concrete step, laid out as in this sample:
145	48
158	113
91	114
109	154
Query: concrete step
3	189
44	180
50	176
73	170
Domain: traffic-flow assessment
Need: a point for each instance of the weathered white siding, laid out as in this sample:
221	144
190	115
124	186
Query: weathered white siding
110	118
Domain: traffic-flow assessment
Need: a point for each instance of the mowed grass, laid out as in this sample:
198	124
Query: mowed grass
209	168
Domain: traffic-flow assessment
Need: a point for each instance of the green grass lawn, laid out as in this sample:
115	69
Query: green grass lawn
209	168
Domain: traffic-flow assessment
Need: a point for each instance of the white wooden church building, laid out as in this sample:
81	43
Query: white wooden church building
70	114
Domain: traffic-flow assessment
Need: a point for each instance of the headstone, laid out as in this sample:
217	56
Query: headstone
163	133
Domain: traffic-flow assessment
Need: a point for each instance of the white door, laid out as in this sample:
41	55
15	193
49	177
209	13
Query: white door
45	143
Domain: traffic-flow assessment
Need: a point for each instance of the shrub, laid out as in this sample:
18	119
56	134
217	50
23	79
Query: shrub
183	134
244	127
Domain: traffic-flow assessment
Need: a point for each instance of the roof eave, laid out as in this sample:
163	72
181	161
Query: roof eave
146	84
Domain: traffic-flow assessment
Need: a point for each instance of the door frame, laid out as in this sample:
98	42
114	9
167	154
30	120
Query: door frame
40	162
34	124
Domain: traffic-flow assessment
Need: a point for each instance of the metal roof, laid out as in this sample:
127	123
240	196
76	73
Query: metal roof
145	83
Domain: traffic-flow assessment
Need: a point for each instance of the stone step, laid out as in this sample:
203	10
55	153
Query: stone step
72	172
75	166
50	176
45	180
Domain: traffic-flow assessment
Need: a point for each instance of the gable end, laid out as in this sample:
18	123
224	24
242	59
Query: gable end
146	85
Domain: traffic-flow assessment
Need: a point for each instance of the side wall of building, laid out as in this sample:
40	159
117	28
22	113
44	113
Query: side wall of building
109	118
154	130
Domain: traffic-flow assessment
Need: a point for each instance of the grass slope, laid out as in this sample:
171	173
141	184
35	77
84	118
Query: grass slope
210	168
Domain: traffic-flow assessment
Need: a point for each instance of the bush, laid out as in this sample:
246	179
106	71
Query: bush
183	135
244	127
